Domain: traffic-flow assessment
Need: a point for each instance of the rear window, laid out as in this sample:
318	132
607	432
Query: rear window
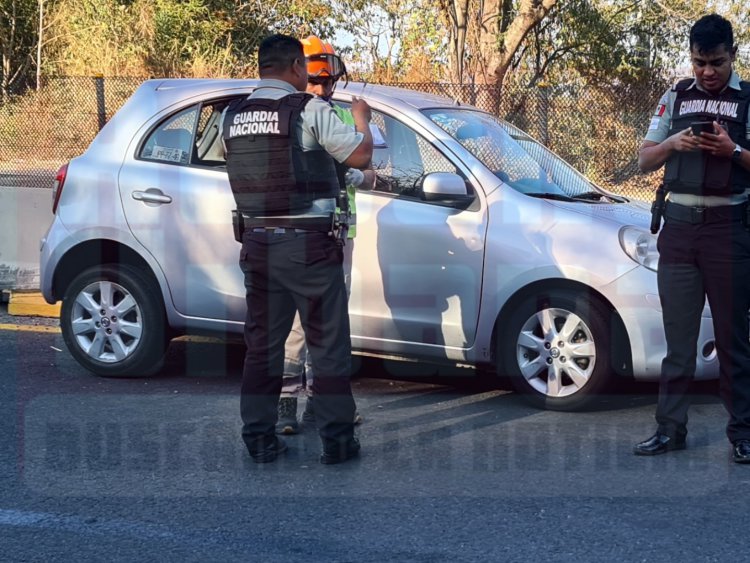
189	137
171	141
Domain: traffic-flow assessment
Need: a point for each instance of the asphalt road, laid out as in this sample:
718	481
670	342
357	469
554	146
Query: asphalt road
452	469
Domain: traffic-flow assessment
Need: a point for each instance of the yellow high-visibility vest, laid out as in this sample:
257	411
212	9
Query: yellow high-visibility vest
351	191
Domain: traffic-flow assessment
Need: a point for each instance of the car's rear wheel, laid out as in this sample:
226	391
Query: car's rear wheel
556	349
113	322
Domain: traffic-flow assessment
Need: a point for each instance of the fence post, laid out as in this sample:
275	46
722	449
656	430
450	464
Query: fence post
101	110
544	111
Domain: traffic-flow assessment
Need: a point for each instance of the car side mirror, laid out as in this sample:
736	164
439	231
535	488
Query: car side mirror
446	187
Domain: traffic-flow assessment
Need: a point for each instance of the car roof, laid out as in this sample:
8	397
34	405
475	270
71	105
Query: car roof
188	87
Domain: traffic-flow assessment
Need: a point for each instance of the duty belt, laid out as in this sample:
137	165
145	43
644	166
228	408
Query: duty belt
698	215
299	223
278	230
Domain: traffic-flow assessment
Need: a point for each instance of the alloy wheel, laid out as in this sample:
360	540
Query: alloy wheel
556	353
106	321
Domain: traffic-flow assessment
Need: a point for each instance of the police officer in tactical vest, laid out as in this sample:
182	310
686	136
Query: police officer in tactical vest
286	152
700	133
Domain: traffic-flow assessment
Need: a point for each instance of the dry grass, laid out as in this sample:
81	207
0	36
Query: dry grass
56	123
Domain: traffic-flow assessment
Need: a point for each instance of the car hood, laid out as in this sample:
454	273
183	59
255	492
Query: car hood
636	213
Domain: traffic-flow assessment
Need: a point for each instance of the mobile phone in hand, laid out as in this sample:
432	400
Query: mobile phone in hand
699	127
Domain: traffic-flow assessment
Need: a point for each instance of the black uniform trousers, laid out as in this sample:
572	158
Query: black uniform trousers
698	260
286	272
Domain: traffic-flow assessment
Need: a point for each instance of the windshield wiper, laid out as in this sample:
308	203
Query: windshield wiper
559	197
596	196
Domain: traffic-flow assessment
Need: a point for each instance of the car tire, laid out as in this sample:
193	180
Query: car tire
113	321
555	347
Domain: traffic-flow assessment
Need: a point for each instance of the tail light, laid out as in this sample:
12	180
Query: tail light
57	187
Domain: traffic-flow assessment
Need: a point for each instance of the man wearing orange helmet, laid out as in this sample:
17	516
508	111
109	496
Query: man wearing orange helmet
324	69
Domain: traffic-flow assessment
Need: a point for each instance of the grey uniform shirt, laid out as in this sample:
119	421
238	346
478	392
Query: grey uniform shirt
319	127
658	131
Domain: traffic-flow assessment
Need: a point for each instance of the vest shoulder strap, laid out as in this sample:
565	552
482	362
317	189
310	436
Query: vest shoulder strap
234	104
298	100
682	84
293	102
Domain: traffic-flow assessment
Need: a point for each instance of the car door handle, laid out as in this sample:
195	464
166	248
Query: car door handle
152	195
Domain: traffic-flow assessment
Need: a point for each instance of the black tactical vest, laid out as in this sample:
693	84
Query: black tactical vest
268	171
699	173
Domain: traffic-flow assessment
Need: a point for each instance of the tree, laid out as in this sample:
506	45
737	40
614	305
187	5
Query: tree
489	33
455	18
422	45
614	42
17	40
248	22
503	32
390	38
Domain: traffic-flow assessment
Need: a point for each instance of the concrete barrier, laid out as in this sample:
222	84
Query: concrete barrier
25	216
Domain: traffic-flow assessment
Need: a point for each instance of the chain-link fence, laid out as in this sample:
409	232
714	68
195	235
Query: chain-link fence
597	131
42	129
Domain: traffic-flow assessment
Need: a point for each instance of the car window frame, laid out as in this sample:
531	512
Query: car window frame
229	99
190	164
151	131
461	170
519	137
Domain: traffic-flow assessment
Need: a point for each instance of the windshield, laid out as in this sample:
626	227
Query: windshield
514	157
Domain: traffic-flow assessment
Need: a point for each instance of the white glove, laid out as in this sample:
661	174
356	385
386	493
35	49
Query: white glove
354	177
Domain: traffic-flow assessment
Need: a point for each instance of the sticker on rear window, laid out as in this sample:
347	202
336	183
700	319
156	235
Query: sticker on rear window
168	154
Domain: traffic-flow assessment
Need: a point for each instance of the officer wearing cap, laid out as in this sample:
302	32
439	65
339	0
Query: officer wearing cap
700	134
282	149
324	69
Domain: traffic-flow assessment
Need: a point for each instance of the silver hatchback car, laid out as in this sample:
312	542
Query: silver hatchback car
477	246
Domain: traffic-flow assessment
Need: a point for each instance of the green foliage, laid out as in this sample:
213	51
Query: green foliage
98	36
421	56
184	35
621	53
617	41
174	37
18	35
392	40
589	39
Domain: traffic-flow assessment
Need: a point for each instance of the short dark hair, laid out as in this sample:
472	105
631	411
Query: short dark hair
278	52
710	32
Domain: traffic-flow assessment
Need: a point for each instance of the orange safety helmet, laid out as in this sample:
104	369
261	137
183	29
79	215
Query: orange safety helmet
322	60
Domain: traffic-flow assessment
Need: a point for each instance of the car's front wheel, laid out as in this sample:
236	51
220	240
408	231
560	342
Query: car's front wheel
113	322
556	349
